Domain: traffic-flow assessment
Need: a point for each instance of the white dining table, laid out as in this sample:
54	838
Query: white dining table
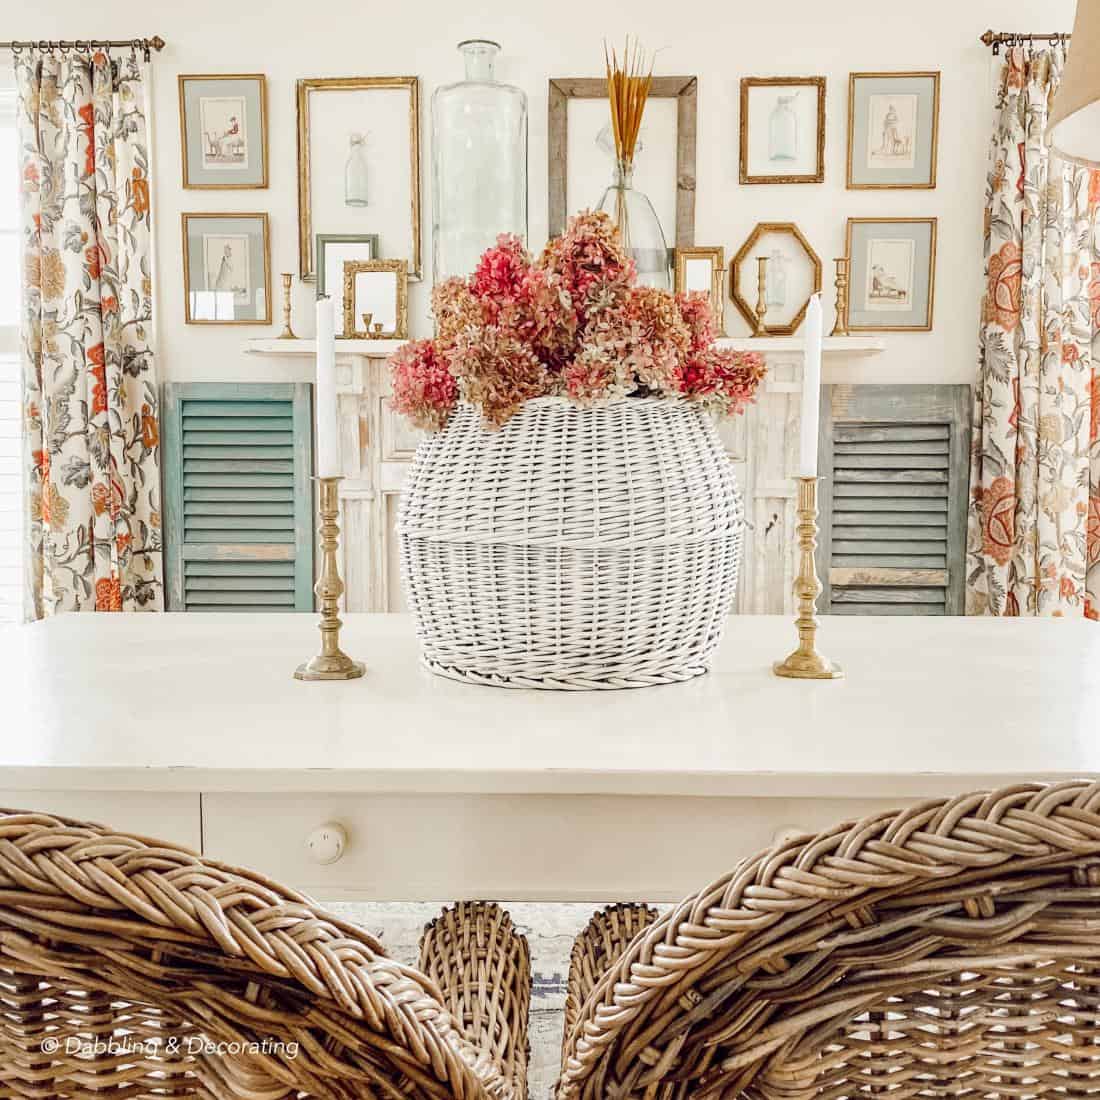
190	727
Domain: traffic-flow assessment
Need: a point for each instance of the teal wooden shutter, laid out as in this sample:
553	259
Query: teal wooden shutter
892	500
238	496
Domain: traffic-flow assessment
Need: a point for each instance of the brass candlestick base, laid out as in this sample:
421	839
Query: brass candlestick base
288	332
805	663
332	663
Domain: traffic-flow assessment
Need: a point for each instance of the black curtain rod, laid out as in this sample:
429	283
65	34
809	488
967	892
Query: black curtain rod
997	39
146	45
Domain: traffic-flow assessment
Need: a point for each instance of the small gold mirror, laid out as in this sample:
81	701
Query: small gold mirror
377	292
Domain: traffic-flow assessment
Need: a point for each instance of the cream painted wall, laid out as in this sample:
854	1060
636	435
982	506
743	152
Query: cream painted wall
718	41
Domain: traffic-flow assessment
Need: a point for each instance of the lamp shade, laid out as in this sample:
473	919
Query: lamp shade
1074	127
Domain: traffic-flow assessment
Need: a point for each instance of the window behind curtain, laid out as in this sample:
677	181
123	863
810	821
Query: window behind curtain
11	510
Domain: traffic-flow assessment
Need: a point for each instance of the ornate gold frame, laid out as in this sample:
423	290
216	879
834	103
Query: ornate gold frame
748	82
927	326
180	82
401	327
717	257
744	308
347	84
935	77
200	214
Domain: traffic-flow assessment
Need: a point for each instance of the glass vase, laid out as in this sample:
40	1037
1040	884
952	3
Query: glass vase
479	163
355	171
783	130
643	238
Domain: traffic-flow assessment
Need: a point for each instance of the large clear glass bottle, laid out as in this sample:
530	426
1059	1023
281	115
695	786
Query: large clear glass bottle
479	163
783	130
639	226
355	171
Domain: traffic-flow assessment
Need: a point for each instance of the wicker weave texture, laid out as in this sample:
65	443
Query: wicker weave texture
572	548
482	964
112	938
948	950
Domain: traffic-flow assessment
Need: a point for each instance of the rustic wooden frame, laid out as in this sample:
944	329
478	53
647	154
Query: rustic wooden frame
198	215
684	89
747	309
927	326
717	257
181	82
749	82
306	270
931	184
401	322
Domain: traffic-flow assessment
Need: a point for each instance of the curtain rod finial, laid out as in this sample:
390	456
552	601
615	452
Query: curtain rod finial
986	39
157	42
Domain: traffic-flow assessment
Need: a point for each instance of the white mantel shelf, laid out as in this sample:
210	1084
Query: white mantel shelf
769	345
207	702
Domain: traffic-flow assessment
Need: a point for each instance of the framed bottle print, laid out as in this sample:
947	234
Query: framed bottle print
223	131
893	130
782	129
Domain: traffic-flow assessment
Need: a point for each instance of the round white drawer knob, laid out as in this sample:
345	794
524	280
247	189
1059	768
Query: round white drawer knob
326	843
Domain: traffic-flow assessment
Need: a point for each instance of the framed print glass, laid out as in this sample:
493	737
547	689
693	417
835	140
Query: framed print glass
782	129
223	131
703	269
892	274
359	165
226	269
376	300
893	130
793	276
333	249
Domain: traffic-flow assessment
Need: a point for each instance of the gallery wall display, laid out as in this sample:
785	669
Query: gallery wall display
375	300
226	269
892	274
223	131
581	160
333	249
782	132
793	276
703	269
893	130
359	164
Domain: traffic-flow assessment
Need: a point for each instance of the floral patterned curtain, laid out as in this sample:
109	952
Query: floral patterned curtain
89	384
1033	543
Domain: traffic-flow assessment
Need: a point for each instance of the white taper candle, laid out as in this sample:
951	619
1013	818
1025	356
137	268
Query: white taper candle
324	397
811	390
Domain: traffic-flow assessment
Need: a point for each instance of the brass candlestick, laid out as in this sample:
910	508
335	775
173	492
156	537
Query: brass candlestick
761	295
332	663
805	663
841	283
288	332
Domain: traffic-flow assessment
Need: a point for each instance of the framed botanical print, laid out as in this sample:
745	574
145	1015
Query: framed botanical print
892	274
223	131
893	130
226	269
376	300
782	129
359	165
703	269
333	249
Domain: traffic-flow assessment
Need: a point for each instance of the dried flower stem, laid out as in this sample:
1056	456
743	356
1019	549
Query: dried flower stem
628	89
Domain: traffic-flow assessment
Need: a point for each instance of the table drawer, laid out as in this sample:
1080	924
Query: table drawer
172	817
403	847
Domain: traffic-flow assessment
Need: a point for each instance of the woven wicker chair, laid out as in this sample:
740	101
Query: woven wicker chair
951	949
156	953
482	964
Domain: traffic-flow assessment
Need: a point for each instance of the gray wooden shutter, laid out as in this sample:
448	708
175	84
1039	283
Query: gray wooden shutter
894	466
238	496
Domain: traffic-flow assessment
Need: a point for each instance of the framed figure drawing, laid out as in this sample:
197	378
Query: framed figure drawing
893	130
223	131
782	134
359	165
581	150
892	274
226	269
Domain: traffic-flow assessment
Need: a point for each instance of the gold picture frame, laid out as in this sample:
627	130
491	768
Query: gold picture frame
747	308
190	184
750	82
190	316
352	268
853	269
305	88
930	183
717	258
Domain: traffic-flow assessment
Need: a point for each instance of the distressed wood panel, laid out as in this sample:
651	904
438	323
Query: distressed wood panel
886	576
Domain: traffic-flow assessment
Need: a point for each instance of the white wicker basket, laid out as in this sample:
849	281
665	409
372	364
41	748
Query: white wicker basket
573	548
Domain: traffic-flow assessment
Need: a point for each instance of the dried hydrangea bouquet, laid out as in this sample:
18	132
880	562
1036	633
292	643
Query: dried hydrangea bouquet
571	521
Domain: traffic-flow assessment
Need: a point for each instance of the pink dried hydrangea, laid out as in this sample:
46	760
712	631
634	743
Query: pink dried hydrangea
590	260
498	279
424	390
696	310
454	308
496	371
724	382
